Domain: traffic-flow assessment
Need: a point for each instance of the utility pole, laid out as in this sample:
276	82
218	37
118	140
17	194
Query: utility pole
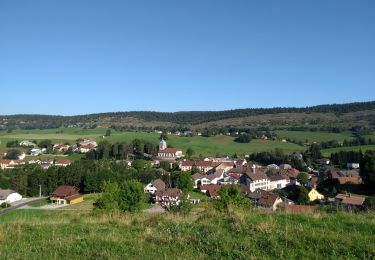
40	190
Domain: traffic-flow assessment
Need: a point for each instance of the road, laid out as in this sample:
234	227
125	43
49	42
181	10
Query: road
20	203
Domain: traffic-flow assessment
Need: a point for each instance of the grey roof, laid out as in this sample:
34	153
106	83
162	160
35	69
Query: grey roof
5	193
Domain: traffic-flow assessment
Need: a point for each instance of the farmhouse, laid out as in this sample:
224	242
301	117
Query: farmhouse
344	177
168	197
62	163
265	199
211	190
168	153
61	147
7	164
9	196
349	200
66	194
154	186
203	166
27	143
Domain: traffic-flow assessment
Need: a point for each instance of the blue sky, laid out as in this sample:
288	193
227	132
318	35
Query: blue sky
75	57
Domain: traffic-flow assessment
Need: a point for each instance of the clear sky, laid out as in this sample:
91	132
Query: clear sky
75	57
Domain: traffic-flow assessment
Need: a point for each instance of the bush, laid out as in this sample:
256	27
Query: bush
231	195
243	138
370	203
4	205
184	207
127	196
12	154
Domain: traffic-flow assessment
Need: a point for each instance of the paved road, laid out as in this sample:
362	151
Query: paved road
20	203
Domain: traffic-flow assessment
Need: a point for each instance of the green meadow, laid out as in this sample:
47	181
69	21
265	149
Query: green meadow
206	146
327	152
313	136
207	234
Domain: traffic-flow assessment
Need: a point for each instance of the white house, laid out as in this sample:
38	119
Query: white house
278	182
257	179
27	143
352	165
9	196
35	151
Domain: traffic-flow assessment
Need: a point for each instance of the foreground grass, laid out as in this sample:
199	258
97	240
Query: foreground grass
37	234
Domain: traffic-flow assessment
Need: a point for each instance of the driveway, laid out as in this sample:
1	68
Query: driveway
20	203
155	209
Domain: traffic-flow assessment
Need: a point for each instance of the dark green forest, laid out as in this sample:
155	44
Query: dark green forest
25	121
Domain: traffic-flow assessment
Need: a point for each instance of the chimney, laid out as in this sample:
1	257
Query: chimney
254	168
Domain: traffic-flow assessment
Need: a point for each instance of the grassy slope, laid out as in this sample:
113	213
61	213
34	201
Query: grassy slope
201	145
327	152
36	234
313	136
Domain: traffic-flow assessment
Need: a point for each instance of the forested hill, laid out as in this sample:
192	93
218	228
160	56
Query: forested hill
174	118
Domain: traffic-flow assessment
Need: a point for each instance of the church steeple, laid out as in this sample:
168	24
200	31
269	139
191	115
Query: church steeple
162	144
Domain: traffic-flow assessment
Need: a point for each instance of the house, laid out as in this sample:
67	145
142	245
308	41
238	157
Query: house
315	195
344	177
231	178
61	147
278	181
225	165
215	177
349	200
35	152
168	197
273	167
62	163
197	177
9	196
285	166
166	153
7	164
86	147
66	194
313	182
265	199
154	186
211	190
240	163
27	143
352	165
290	174
256	179
202	166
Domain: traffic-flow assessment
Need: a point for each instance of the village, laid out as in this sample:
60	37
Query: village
271	187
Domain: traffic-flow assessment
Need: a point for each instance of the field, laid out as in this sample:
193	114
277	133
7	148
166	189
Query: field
211	146
313	136
67	234
327	152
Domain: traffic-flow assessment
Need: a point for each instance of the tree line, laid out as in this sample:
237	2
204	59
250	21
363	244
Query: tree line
182	118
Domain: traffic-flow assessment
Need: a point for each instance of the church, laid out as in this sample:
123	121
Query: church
168	153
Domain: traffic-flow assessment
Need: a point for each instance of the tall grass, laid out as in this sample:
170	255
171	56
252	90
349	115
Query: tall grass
37	234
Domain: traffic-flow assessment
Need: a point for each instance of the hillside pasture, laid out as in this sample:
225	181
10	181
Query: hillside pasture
205	146
313	136
327	152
